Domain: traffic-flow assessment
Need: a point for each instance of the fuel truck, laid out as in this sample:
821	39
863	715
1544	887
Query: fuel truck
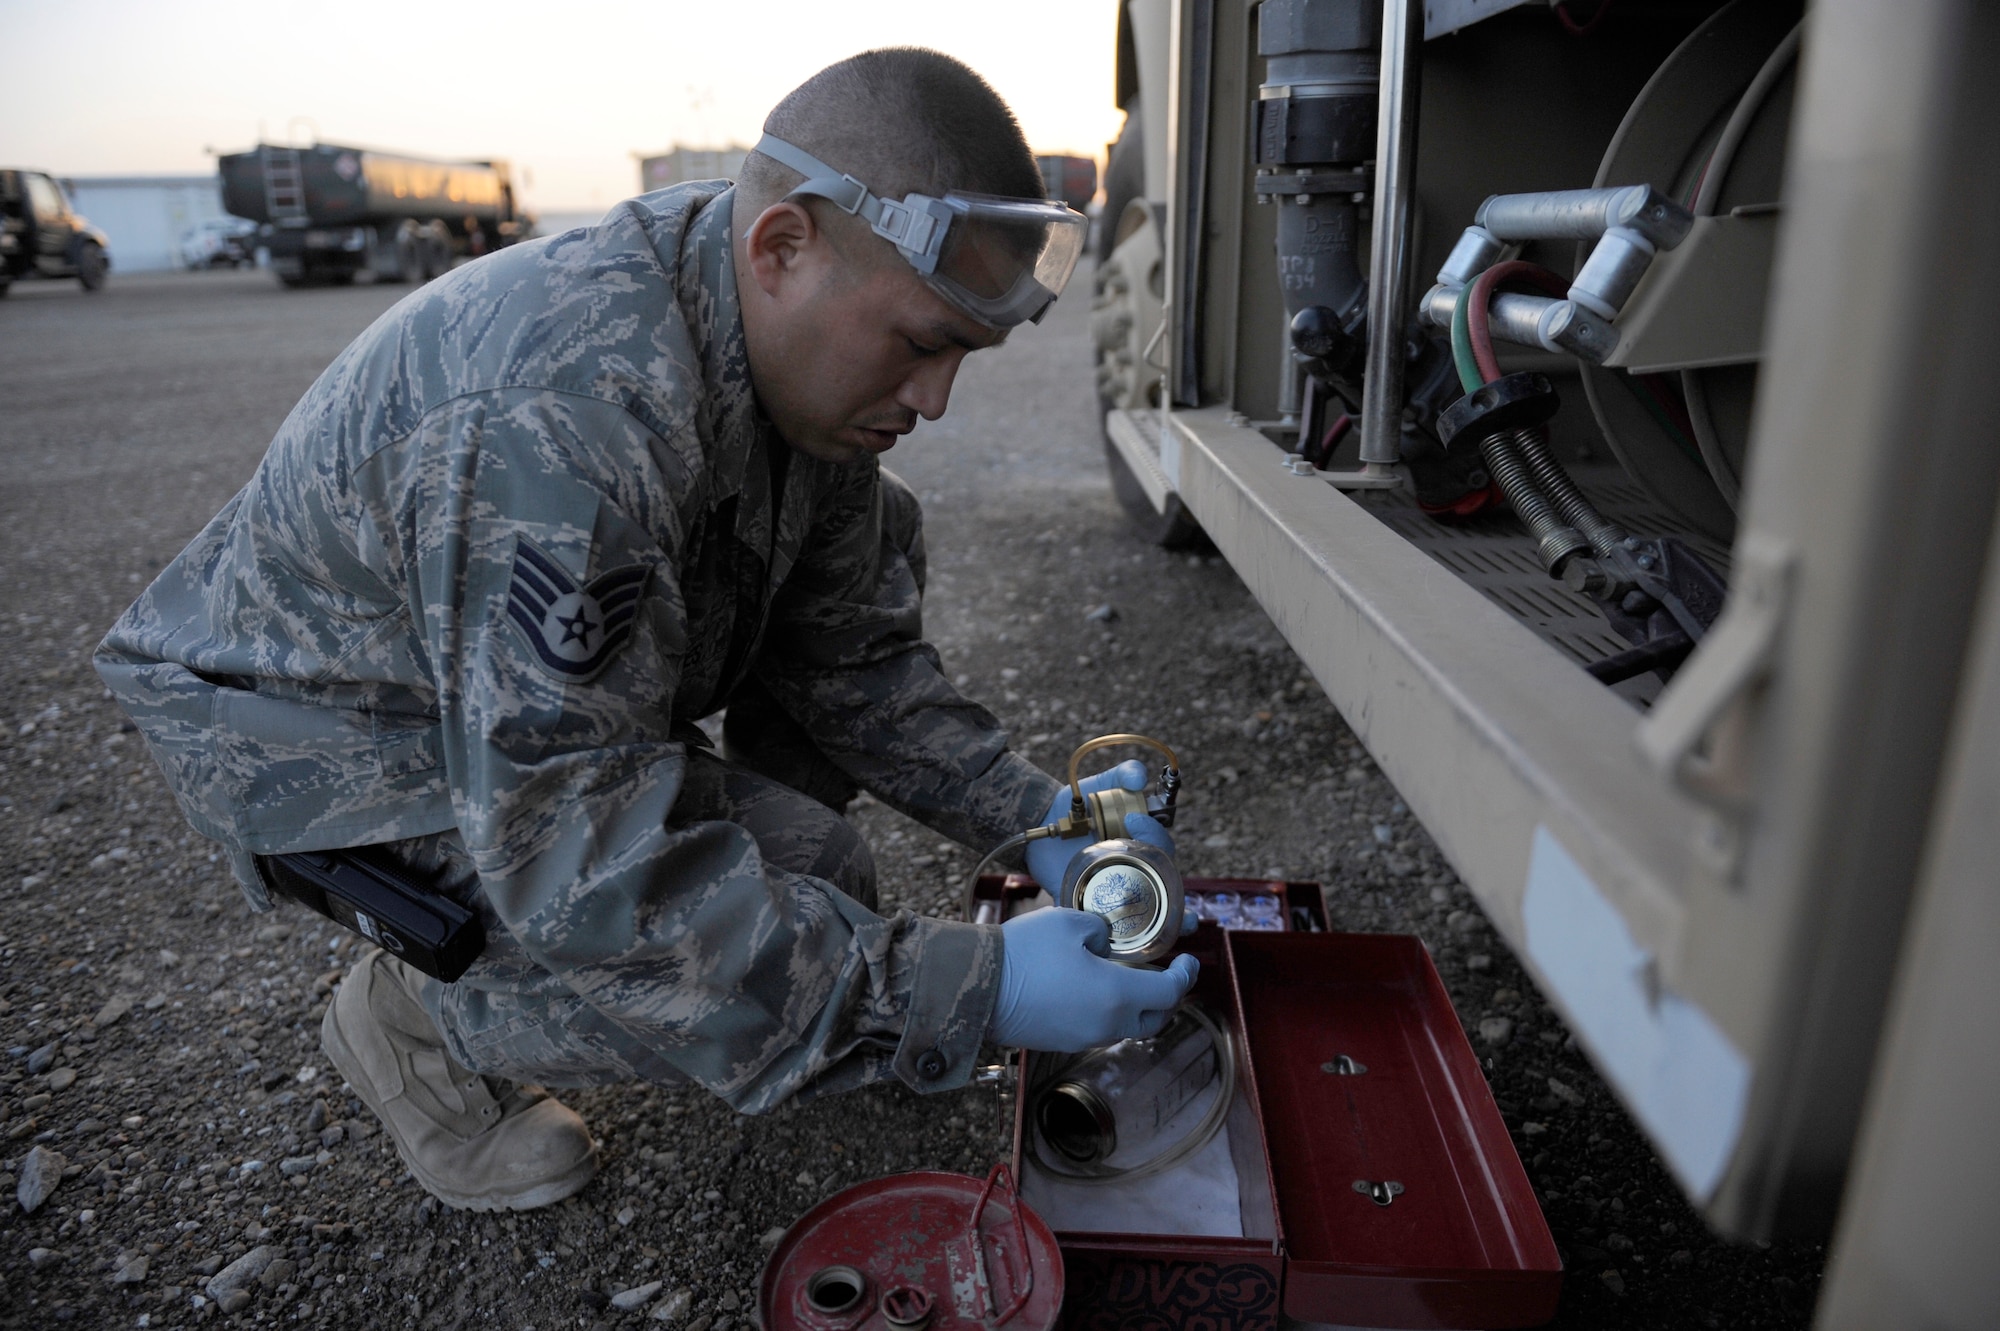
327	212
1590	393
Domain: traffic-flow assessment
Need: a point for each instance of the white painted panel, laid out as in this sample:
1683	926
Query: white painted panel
145	217
1677	1072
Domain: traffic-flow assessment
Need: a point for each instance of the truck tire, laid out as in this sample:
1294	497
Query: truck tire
92	267
1174	529
1124	181
1116	308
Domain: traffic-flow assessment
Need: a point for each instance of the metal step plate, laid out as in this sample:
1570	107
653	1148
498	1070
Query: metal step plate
1494	553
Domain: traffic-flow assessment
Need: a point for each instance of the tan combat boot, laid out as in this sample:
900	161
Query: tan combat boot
475	1142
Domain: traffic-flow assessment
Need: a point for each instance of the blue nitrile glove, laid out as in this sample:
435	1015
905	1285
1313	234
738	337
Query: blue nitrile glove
1048	857
1058	992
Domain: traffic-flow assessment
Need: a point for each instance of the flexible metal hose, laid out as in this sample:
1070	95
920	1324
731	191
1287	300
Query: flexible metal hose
1604	535
971	902
1555	539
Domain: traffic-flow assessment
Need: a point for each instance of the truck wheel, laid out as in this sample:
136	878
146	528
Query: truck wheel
1171	530
1127	307
91	267
1124	181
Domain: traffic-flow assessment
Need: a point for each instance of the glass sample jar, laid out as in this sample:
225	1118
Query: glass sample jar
1263	910
1224	908
1128	1098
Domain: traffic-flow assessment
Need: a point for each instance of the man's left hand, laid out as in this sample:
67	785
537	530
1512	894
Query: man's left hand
1048	858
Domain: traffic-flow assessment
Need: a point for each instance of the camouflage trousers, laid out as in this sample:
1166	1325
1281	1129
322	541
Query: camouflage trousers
509	1017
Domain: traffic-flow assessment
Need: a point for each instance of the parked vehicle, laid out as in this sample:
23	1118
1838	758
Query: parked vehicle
328	212
41	235
1594	399
220	242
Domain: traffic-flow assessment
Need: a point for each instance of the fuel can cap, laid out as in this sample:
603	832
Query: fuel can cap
918	1250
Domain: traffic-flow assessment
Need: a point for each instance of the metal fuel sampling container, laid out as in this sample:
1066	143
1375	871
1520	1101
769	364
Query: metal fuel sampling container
1137	890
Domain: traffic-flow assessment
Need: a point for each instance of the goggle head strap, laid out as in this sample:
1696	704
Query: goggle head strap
916	226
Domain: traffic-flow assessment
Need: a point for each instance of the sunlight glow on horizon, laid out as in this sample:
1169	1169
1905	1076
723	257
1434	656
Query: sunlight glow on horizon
569	95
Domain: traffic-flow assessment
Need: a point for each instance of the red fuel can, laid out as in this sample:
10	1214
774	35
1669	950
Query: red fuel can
918	1250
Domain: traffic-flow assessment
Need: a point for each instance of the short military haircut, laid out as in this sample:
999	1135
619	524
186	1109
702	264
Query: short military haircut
901	120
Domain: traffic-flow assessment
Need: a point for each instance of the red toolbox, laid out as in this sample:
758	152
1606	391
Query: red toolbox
1363	1176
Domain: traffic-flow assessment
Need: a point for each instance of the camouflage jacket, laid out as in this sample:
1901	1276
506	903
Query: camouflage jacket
506	550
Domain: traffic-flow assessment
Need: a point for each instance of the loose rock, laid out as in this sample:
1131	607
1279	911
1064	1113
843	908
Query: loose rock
62	1079
1495	1030
675	1306
132	1271
627	1299
42	1059
41	1257
240	1273
113	1012
40	1173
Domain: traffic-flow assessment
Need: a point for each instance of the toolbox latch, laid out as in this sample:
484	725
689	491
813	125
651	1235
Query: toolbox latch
1379	1192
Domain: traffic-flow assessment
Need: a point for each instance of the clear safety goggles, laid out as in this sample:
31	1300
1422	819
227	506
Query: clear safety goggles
1003	261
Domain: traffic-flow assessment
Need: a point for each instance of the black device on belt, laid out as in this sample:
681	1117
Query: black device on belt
367	891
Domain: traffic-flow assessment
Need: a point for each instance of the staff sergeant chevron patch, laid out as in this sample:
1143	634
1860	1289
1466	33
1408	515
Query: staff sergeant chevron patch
573	631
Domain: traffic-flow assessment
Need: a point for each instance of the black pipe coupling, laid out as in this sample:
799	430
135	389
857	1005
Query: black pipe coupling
1515	402
1319	100
1500	415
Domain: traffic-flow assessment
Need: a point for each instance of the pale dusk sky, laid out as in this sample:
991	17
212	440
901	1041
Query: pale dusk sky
567	92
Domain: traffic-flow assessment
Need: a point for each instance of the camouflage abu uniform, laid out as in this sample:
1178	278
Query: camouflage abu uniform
523	533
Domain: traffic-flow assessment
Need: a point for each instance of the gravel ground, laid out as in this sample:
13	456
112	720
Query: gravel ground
162	1066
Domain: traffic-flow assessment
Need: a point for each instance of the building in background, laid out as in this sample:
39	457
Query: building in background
678	163
1069	179
145	216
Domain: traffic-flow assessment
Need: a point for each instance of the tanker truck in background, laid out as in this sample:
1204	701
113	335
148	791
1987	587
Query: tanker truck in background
1594	395
327	212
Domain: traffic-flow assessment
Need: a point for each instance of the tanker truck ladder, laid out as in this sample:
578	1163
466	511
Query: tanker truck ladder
284	184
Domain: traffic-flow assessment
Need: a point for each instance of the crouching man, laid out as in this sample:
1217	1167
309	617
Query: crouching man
551	511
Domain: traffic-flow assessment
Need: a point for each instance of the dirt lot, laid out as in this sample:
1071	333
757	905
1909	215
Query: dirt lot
165	1042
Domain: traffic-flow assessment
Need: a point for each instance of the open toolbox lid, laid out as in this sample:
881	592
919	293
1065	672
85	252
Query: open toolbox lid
1400	1199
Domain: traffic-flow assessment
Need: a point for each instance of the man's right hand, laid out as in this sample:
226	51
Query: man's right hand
1058	992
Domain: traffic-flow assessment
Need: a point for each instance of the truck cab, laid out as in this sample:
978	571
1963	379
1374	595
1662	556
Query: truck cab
41	235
